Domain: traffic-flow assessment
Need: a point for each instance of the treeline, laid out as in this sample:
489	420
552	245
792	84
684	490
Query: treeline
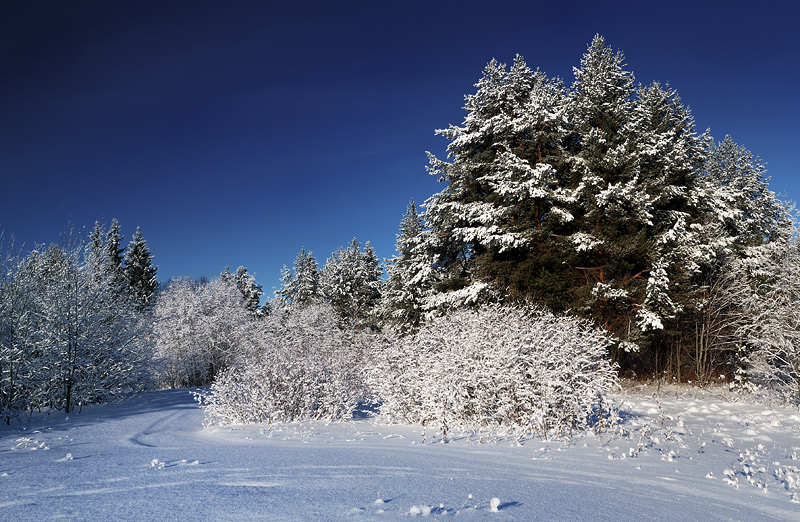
589	208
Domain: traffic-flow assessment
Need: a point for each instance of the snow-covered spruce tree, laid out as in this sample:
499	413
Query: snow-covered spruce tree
351	281
503	194
97	244
246	283
114	251
300	285
200	329
575	198
410	275
140	273
738	194
306	367
599	199
502	368
633	161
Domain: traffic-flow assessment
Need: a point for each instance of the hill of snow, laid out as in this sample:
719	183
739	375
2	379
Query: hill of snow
673	457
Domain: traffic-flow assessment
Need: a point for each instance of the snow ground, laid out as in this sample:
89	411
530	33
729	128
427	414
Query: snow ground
701	458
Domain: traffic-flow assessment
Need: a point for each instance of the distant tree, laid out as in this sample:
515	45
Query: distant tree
140	272
250	290
97	244
300	285
115	253
351	281
409	274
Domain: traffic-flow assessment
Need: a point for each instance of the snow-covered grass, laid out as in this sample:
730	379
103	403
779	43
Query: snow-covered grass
678	454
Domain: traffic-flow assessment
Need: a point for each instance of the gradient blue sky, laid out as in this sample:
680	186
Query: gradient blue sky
237	132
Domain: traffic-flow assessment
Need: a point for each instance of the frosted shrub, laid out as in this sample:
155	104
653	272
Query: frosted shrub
200	329
514	369
306	367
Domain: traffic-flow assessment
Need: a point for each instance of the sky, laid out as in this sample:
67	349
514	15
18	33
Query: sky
235	133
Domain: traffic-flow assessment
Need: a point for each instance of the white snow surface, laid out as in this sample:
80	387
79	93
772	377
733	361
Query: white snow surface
680	454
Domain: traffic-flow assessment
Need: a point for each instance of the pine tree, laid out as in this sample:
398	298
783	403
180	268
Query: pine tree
226	276
606	251
410	275
351	281
737	192
300	286
246	284
114	253
97	244
503	190
599	199
140	273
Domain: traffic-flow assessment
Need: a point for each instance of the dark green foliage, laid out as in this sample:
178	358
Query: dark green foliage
599	200
140	272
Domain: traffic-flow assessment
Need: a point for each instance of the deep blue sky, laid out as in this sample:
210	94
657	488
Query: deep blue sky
237	132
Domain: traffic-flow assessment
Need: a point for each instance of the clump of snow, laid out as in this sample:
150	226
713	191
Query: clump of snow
420	510
26	443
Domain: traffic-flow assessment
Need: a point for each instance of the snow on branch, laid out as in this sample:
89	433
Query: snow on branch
512	369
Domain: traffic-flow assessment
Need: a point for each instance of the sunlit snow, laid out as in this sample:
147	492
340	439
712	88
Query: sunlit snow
678	454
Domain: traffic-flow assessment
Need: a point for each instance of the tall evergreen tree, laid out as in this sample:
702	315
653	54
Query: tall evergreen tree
246	284
410	276
140	272
351	281
97	244
738	192
599	199
502	185
115	253
300	285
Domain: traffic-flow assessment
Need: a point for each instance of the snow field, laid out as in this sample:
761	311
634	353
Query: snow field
671	457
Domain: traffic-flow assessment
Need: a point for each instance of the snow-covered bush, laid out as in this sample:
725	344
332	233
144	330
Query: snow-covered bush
200	329
515	369
307	367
